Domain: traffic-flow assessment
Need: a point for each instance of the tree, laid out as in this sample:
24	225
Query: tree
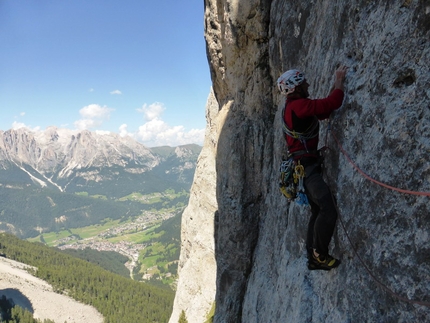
183	318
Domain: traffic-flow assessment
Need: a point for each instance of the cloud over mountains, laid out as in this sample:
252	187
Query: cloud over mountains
153	131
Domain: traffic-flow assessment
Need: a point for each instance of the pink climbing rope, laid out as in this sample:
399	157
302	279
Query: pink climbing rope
372	179
382	285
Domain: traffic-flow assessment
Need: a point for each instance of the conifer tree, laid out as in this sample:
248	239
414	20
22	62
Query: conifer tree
183	318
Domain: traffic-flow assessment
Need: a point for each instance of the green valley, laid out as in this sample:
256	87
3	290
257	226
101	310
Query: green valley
102	203
150	241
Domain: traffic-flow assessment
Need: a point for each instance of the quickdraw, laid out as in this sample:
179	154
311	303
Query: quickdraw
286	184
299	176
291	181
292	172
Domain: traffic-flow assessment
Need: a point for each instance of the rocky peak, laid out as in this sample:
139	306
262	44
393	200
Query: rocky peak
19	145
51	133
85	148
61	156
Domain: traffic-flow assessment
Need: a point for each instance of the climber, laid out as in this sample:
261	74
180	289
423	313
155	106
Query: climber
301	127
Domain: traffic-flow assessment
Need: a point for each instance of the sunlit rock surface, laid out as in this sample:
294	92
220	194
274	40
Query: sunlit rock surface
258	239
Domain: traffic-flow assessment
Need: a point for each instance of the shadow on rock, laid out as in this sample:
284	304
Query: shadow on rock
15	297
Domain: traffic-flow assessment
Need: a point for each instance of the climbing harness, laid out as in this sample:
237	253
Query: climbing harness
309	133
292	172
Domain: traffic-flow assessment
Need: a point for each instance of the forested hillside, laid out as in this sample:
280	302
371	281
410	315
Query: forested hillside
117	298
110	260
23	210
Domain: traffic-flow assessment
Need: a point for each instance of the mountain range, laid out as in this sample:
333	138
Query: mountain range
57	174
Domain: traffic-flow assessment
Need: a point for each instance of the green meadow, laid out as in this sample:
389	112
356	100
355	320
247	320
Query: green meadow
53	239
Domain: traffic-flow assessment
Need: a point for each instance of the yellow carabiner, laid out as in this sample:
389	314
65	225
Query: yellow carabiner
299	172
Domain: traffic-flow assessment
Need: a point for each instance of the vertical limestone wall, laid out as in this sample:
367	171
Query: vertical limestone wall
259	264
197	264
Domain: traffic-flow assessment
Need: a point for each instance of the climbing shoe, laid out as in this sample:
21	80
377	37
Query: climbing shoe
324	262
314	265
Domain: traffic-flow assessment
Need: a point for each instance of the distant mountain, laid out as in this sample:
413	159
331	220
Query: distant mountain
47	176
71	161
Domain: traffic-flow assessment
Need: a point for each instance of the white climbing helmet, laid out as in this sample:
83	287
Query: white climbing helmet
288	81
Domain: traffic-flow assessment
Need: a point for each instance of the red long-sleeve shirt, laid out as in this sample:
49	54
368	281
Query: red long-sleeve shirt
300	114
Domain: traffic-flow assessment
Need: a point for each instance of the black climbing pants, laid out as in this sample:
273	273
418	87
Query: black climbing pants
323	210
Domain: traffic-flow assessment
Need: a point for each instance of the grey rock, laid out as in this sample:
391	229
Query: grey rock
260	260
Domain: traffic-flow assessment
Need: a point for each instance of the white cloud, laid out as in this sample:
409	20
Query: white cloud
152	133
118	92
152	129
17	125
93	116
124	132
95	111
156	132
86	124
177	135
102	132
22	114
152	111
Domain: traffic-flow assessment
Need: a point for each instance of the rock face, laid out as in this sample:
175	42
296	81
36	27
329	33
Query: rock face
382	235
197	263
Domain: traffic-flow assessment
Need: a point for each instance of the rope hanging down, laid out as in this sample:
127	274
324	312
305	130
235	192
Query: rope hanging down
383	286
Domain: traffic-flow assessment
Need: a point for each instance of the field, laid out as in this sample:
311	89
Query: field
151	241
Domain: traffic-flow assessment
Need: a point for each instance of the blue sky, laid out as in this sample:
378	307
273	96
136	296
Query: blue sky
133	67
